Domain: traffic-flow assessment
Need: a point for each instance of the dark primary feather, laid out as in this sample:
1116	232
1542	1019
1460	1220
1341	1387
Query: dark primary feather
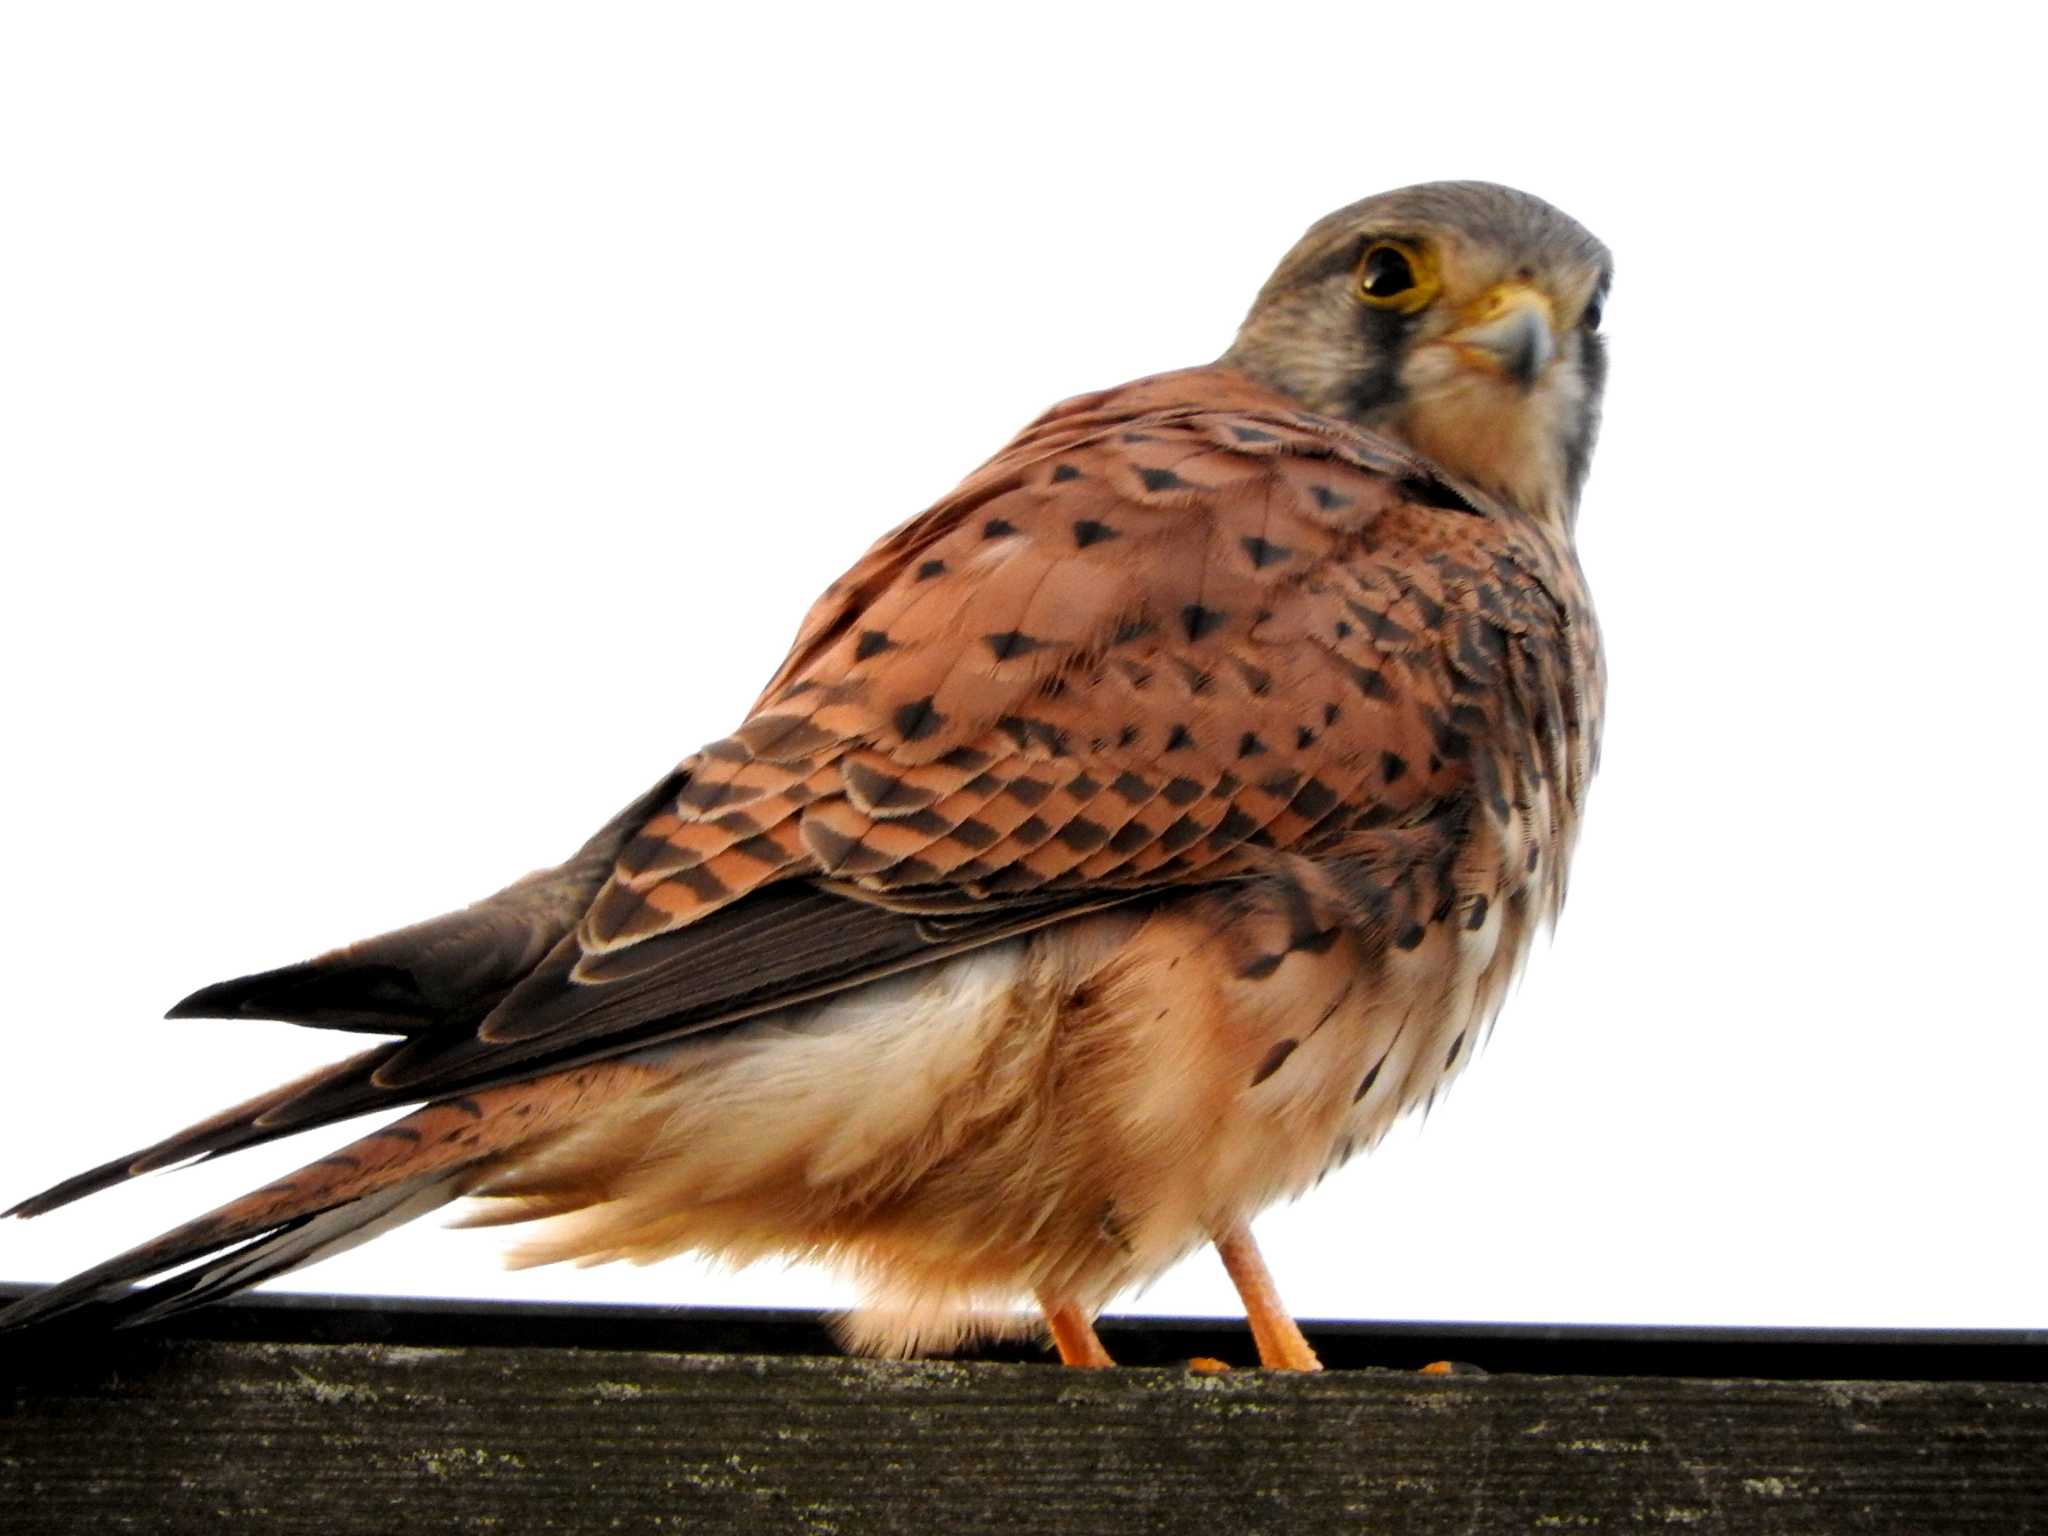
451	969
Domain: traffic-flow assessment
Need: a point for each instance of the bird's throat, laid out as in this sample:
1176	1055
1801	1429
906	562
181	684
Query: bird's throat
1509	447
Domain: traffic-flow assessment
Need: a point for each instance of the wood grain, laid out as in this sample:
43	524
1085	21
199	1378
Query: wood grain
175	1435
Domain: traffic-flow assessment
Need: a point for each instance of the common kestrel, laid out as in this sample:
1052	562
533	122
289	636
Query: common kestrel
1126	841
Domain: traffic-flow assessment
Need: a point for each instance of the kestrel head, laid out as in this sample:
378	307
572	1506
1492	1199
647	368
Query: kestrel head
1459	317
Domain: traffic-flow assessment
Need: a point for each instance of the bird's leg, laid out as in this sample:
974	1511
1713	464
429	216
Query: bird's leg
1281	1346
1074	1335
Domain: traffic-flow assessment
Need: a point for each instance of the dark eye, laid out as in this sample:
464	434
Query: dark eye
1396	275
1595	308
1386	273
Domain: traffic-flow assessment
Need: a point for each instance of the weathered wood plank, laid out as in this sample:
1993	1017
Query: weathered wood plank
174	1435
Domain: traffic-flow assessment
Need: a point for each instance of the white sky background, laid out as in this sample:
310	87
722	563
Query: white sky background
423	424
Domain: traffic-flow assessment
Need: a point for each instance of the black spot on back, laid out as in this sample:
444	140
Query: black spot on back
1235	827
1130	837
1029	791
918	719
1264	552
1313	800
974	833
1012	642
1083	835
1371	683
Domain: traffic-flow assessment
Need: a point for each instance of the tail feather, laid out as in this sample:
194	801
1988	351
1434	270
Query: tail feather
305	1240
389	1176
239	1257
229	1131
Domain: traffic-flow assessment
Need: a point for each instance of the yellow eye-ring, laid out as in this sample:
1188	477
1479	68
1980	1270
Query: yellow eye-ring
1393	274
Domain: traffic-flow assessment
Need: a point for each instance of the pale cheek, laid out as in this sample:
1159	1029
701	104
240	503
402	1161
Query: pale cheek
1485	430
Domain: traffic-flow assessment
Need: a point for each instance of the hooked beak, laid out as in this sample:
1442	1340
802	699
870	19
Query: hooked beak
1511	334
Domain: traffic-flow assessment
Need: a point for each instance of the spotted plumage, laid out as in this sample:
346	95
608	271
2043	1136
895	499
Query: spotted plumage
1126	839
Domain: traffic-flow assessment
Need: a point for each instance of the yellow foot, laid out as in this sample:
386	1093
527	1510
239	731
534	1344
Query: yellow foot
1281	1346
1074	1335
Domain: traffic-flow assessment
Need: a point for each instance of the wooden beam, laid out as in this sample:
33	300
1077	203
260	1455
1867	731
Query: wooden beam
157	1433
